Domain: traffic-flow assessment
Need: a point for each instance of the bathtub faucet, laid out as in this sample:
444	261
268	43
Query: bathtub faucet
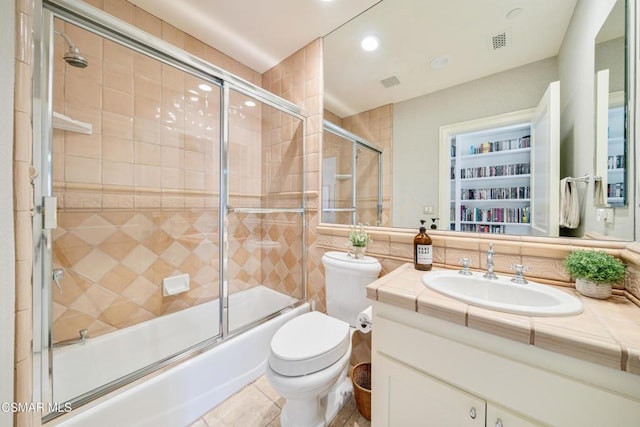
84	336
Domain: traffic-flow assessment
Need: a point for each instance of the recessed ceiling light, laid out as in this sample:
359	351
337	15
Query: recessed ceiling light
514	12
204	87
251	103
370	43
439	62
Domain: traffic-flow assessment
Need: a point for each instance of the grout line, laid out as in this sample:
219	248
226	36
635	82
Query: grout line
274	418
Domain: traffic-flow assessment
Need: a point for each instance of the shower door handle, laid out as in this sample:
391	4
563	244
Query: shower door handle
57	275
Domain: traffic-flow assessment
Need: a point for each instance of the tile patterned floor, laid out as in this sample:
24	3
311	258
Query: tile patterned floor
258	405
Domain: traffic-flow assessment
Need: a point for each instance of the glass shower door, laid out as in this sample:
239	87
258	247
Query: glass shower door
135	170
368	191
265	249
351	178
338	185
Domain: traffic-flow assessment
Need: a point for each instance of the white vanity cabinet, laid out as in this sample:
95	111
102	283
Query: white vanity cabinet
497	416
430	372
418	399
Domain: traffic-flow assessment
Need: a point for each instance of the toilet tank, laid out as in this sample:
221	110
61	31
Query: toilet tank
346	279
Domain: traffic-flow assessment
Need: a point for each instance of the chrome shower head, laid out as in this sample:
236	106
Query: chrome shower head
73	56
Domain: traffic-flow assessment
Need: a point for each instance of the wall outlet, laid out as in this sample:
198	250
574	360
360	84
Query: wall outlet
428	209
605	215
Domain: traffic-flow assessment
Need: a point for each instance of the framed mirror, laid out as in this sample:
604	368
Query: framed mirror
436	67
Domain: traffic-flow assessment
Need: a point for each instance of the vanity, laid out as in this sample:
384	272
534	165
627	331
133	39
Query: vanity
439	361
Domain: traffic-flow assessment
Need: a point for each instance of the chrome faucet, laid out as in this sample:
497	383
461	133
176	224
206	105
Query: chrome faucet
490	274
84	336
466	262
519	276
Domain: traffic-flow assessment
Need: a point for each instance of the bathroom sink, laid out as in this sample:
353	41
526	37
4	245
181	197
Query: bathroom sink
531	299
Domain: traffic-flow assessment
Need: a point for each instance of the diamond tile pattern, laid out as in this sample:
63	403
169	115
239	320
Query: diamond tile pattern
114	279
114	266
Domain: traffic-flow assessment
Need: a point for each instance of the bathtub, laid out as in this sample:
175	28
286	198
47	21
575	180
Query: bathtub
180	395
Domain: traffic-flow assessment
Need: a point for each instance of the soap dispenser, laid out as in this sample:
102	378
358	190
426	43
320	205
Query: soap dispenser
422	249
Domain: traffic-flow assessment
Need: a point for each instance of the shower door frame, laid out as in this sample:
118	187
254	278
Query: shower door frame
113	29
356	141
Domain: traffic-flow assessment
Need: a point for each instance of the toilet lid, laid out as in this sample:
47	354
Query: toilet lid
308	344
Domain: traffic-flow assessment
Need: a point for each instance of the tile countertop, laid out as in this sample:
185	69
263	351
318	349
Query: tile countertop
607	332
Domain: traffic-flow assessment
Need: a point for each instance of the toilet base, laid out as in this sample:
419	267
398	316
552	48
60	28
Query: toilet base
314	412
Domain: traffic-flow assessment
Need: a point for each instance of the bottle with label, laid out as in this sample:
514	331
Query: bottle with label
422	250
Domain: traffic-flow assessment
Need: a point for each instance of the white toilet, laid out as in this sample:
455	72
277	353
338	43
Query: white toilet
310	354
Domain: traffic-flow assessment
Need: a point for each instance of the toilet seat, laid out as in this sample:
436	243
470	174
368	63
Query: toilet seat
308	344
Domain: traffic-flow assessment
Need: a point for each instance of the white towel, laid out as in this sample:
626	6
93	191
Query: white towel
598	194
569	204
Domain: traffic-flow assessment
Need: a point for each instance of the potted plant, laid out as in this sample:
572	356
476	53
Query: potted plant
359	240
594	271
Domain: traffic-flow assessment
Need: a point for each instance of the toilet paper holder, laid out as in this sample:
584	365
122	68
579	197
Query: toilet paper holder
364	322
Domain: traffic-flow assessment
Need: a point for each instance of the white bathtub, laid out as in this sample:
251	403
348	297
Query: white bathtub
180	395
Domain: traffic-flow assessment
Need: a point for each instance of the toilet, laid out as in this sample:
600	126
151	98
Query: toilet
309	358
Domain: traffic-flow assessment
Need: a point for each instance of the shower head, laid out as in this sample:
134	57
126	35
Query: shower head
73	56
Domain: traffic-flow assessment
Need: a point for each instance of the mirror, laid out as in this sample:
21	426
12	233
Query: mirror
611	150
437	67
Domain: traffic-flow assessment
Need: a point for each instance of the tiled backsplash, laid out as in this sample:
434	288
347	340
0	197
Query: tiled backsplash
543	256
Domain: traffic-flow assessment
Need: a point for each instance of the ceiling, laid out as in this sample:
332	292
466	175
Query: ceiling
261	34
258	33
413	33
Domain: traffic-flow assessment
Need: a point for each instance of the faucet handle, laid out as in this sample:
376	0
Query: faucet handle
466	263
519	276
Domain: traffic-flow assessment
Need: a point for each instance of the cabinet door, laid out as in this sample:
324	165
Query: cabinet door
498	416
413	398
545	164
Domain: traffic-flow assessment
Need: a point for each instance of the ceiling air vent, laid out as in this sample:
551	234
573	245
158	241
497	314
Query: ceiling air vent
500	40
390	81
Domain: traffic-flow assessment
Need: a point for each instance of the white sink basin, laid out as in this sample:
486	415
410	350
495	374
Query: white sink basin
531	299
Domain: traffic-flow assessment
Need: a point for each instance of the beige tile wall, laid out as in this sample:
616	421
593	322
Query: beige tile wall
23	204
137	197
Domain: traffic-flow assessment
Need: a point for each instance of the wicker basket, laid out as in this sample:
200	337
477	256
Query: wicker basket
593	290
361	378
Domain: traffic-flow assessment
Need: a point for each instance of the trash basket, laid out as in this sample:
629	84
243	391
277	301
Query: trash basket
361	378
